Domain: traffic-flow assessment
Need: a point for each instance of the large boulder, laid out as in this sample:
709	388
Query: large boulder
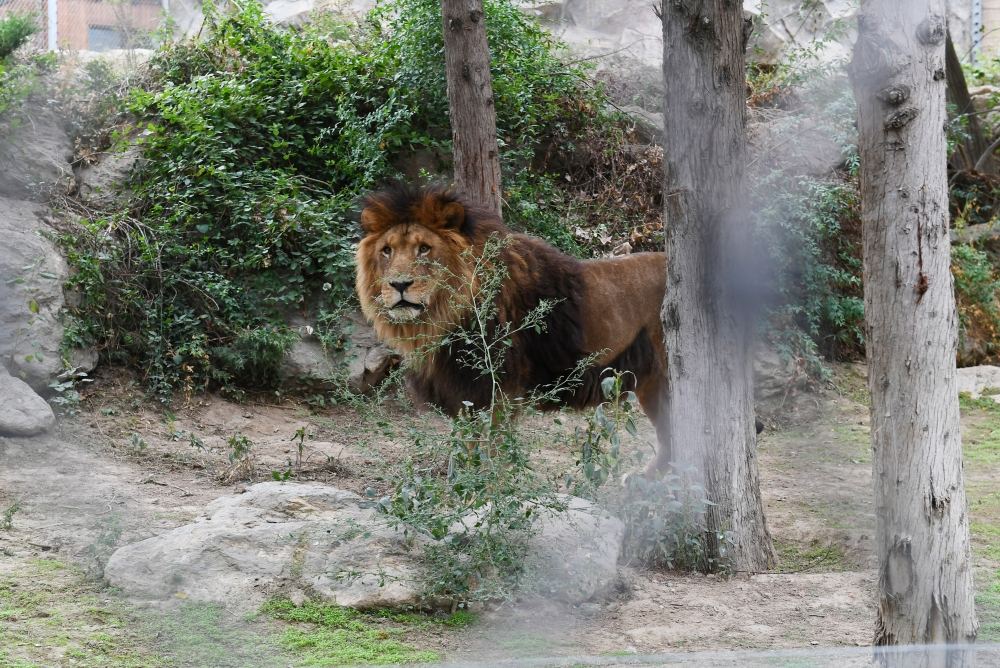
333	545
361	364
22	412
275	538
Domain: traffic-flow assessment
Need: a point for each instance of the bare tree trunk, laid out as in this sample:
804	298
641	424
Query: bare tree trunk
975	145
470	102
925	580
708	333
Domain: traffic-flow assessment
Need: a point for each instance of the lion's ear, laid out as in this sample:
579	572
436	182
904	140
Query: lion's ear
370	221
452	216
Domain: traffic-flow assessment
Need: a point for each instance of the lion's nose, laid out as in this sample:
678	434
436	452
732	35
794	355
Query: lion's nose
401	285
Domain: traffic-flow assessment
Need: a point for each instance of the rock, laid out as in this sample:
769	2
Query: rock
297	12
98	185
22	412
980	381
321	543
361	365
574	556
277	538
648	124
31	297
35	155
800	143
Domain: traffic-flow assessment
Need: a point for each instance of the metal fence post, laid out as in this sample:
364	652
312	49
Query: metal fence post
53	23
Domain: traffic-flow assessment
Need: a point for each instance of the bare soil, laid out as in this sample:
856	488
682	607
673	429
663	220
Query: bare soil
124	469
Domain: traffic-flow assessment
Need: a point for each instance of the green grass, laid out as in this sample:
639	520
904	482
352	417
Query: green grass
329	635
988	604
981	450
815	557
49	610
200	634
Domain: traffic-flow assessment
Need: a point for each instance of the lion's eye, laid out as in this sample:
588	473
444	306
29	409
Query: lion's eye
424	249
387	251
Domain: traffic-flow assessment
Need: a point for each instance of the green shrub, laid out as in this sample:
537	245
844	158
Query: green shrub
977	287
810	233
19	74
15	29
257	143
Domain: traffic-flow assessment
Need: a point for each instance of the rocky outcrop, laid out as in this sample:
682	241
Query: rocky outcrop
35	155
22	412
34	166
31	295
332	545
361	364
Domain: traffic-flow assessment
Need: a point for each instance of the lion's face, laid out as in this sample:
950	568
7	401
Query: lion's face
410	264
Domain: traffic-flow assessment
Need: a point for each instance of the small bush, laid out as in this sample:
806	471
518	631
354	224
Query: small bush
15	29
977	287
665	524
810	232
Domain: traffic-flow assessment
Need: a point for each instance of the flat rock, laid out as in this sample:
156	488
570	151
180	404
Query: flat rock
35	155
331	545
275	538
22	412
980	381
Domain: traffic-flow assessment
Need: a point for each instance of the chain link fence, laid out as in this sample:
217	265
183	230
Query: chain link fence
97	25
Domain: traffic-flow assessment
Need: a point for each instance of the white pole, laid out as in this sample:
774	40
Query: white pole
53	25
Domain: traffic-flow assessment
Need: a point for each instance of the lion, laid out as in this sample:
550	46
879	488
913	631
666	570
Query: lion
605	309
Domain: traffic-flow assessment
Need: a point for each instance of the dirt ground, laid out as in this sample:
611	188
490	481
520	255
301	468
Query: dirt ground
124	469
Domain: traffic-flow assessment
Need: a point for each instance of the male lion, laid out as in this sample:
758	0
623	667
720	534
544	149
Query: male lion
608	307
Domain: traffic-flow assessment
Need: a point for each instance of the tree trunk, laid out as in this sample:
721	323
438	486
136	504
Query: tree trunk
975	145
707	331
470	102
925	580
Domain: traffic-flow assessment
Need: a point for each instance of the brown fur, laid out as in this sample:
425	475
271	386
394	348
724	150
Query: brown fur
608	306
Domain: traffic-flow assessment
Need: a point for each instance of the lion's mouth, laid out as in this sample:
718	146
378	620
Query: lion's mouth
402	303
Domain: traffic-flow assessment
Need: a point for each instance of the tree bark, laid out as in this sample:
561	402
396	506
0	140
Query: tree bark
470	102
925	581
707	330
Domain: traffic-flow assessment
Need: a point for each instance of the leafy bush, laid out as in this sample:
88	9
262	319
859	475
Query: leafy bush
810	232
257	142
665	524
19	74
15	29
977	287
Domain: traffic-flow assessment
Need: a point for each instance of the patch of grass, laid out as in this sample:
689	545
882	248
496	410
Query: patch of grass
199	634
981	434
325	635
49	613
799	557
988	608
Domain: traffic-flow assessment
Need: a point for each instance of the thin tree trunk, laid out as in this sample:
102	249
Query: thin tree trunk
470	102
708	333
975	145
925	581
